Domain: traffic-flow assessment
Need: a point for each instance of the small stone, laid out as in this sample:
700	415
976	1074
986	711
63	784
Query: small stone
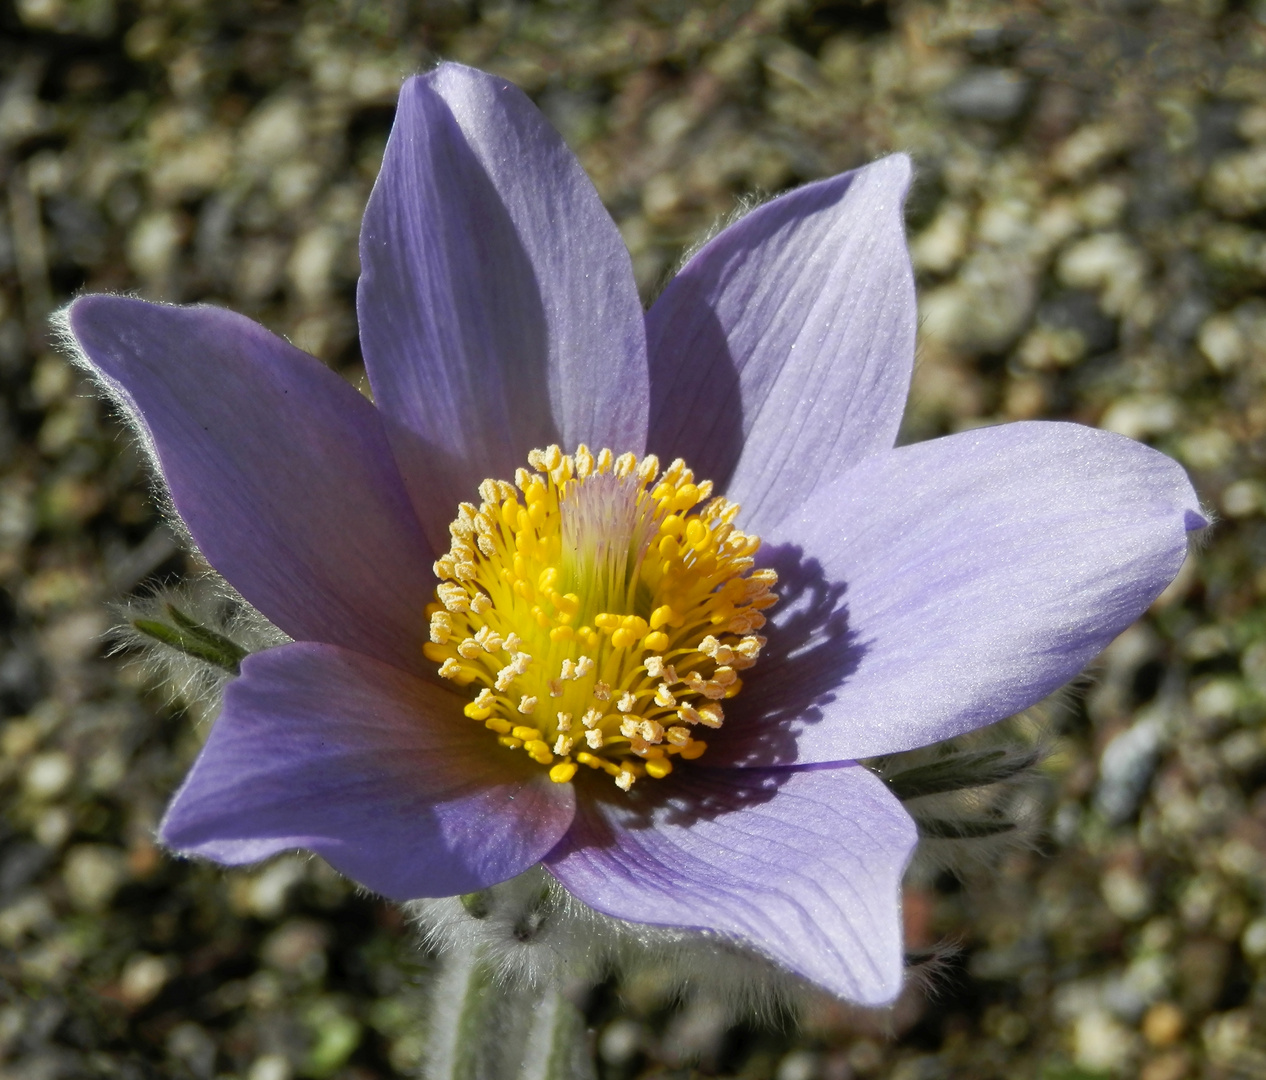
47	775
297	948
1253	940
1218	699
193	1047
1226	1036
1045	348
92	874
620	1041
270	890
1172	1065
1222	343
1100	1042
1108	263
985	307
942	245
274	133
1125	769
1163	1024
194	169
143	977
53	827
1236	183
1208	448
799	1065
1126	894
1142	416
270	1067
1089	148
1101	205
1243	498
152	244
992	95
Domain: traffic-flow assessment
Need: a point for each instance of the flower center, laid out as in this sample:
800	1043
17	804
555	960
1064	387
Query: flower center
602	616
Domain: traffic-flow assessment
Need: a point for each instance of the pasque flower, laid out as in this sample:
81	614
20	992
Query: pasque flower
527	626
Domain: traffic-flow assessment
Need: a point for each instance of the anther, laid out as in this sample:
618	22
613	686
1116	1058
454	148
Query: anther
441	627
452	596
651	730
710	714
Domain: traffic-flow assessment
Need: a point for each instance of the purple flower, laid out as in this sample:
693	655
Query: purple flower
924	591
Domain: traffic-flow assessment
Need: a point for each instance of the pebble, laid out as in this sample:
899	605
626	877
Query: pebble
93	873
993	95
1100	1042
143	977
48	775
620	1041
1125	769
1163	1024
1236	183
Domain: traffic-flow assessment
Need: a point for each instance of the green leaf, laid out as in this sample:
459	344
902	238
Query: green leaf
946	829
205	633
977	768
193	639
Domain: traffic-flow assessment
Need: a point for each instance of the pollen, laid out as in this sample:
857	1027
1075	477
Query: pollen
577	594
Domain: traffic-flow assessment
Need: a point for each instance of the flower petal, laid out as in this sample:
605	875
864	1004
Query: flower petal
279	468
949	584
373	769
804	865
497	305
781	354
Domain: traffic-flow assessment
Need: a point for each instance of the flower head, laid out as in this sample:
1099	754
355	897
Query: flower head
532	567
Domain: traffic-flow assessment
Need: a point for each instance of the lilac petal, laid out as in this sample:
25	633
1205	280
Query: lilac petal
279	468
947	585
497	305
804	865
781	354
375	770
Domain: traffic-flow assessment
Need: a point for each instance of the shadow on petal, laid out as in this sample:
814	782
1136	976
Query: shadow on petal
691	794
698	414
811	652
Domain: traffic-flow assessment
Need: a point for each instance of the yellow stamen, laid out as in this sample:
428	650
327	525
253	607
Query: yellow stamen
564	594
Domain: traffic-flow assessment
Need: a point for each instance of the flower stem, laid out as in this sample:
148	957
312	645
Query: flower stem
557	1048
484	1029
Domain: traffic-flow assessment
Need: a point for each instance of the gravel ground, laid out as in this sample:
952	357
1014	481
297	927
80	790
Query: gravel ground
1089	229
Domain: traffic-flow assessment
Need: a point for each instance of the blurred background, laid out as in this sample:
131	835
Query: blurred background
1088	225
